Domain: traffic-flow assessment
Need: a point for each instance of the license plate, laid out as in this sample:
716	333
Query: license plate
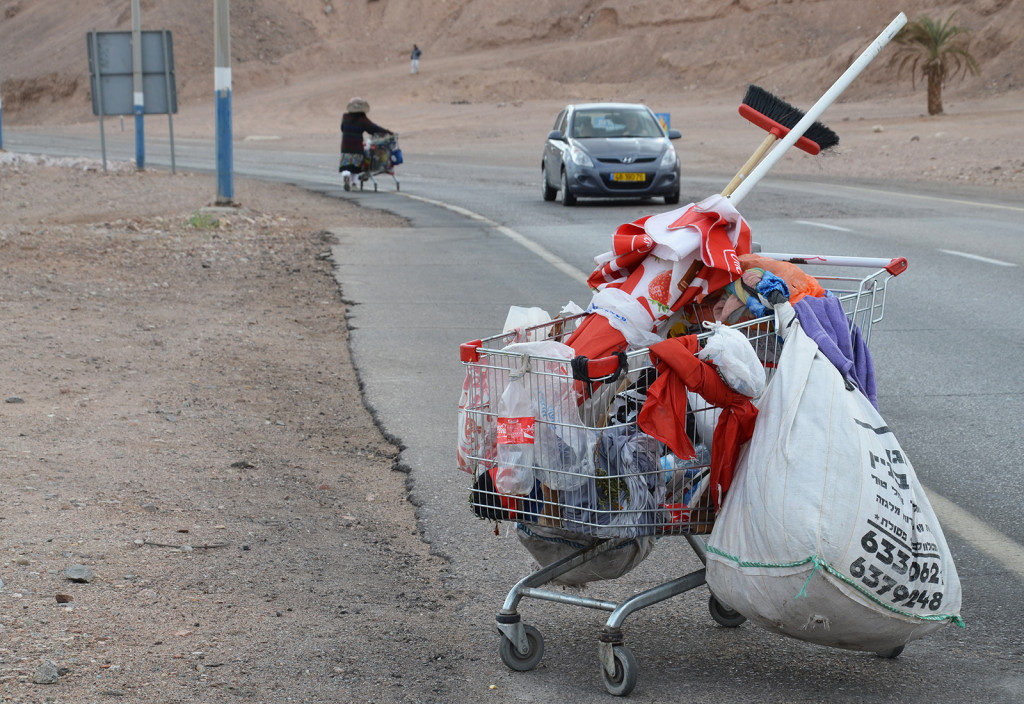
629	177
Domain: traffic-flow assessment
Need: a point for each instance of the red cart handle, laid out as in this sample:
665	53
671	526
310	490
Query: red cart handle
894	266
605	369
470	351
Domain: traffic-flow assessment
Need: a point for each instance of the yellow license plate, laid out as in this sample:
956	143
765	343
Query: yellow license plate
629	177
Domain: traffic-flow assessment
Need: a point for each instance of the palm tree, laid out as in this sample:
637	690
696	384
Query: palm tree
936	50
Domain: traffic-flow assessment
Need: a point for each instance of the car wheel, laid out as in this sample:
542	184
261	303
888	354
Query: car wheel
546	190
672	198
568	197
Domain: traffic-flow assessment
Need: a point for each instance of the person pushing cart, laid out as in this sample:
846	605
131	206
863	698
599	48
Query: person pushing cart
354	123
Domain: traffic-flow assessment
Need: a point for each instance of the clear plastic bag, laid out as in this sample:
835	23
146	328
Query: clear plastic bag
515	430
559	450
476	447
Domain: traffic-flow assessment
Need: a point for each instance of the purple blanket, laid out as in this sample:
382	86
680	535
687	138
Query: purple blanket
825	322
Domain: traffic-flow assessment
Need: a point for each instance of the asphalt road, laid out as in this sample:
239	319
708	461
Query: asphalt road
947	356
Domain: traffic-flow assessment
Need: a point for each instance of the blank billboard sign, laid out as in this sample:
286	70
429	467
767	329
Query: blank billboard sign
110	73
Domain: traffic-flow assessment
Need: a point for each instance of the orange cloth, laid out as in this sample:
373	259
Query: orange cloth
663	415
800	283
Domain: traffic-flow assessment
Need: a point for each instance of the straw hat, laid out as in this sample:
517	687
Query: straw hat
357	105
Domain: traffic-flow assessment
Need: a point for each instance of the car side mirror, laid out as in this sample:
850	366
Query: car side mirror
557	135
675	134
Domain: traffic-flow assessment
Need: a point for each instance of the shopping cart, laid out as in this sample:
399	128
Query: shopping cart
601	485
382	156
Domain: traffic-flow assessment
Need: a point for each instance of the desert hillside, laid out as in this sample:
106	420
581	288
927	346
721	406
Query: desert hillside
493	50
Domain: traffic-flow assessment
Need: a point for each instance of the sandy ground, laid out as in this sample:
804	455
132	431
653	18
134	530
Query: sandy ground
180	417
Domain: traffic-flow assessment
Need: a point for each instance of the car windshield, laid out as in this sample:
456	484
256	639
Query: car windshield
592	123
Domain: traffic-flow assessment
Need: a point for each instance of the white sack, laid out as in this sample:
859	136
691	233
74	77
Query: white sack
826	534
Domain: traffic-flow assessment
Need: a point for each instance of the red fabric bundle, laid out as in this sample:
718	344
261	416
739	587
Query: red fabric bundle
664	413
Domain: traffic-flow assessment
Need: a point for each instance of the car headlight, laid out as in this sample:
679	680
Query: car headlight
580	157
669	158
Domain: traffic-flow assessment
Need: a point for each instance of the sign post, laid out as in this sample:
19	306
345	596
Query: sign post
112	72
222	86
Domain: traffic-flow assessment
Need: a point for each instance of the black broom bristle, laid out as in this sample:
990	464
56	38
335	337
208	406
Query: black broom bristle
778	110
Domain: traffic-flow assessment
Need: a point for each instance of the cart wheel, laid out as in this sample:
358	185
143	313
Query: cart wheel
723	615
522	662
890	654
398	186
374	186
625	672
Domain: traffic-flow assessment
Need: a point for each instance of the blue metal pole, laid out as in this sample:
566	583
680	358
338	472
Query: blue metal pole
225	160
222	85
140	137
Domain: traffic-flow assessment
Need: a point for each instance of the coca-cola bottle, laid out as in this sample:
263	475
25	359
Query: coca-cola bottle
514	472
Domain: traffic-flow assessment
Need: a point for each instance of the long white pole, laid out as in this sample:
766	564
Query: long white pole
138	100
819	107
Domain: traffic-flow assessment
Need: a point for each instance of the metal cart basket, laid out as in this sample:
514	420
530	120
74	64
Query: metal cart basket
597	477
382	155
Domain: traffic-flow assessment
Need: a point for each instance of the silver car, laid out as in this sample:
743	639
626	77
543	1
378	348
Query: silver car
609	150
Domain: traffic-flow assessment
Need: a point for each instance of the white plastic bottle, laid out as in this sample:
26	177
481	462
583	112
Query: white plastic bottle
514	473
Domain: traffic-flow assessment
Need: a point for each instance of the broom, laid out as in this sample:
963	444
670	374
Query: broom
815	111
777	117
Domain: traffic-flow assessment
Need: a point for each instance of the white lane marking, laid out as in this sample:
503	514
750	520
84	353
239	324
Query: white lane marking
996	545
823	225
915	196
979	534
977	258
545	254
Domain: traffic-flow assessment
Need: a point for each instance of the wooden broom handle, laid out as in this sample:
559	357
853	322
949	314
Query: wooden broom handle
819	107
753	161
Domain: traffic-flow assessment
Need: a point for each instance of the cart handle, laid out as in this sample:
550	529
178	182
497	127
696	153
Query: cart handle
895	266
469	352
605	369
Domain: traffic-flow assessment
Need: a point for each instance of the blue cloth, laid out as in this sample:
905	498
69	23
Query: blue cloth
770	282
825	322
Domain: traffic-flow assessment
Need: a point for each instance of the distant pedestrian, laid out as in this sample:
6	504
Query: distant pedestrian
415	57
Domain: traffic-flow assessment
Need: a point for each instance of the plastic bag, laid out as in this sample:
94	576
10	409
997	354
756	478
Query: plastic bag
624	496
515	432
538	433
547	544
477	441
519	319
737	362
826	534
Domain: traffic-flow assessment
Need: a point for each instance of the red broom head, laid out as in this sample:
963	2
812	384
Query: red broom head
775	115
